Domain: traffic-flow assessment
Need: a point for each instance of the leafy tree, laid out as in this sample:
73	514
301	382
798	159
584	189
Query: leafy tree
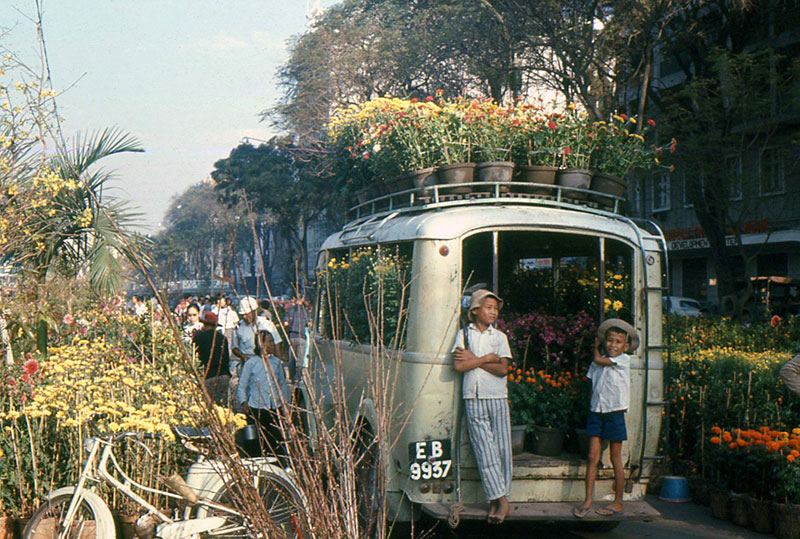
202	235
728	112
277	178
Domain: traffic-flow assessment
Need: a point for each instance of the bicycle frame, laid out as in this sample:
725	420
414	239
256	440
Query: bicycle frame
97	471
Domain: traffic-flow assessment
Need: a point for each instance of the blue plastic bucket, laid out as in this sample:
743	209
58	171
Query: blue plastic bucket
675	489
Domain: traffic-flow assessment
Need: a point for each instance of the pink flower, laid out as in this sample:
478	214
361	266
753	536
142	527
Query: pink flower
68	319
31	367
429	98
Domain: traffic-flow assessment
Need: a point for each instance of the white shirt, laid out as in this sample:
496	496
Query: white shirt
477	383
228	318
611	385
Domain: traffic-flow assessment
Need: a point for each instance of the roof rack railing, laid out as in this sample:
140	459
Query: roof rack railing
477	193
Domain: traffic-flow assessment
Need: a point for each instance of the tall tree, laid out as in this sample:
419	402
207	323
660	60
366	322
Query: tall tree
202	236
276	179
730	110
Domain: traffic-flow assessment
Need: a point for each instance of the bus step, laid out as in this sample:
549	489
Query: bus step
657	403
542	511
654	457
657	288
657	346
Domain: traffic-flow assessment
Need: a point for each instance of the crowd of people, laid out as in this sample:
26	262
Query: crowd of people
244	358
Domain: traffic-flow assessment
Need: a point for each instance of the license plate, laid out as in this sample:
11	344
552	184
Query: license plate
429	459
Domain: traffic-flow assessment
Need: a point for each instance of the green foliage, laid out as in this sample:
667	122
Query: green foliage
724	374
366	292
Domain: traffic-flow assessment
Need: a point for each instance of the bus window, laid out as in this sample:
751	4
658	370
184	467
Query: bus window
363	294
551	279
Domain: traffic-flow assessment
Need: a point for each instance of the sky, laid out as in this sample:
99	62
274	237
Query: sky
188	78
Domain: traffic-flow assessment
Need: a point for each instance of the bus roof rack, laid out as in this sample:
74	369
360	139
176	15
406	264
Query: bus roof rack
481	193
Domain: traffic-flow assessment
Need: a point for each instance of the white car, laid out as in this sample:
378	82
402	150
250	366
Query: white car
680	305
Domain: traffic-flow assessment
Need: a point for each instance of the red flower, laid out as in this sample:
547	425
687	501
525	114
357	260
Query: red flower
672	145
31	366
775	321
414	100
651	123
624	117
365	155
551	124
567	150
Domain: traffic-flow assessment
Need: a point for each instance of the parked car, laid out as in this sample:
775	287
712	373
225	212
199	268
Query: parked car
681	305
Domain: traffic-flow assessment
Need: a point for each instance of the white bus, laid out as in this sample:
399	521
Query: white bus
499	236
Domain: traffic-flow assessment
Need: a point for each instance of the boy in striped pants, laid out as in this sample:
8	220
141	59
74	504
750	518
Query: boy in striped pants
484	361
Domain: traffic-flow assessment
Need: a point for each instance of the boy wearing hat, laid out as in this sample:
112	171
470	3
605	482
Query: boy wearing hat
483	359
611	381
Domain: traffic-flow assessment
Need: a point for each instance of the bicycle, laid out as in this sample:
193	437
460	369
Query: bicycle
77	512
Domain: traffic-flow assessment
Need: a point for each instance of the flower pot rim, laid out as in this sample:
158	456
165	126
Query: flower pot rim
505	164
465	164
539	167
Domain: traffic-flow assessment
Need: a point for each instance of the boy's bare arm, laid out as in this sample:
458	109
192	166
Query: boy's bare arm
466	360
498	367
599	358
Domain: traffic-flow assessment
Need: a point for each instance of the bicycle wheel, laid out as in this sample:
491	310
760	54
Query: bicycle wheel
90	521
281	501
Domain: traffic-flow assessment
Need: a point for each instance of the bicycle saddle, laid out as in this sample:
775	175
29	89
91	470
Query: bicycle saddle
192	433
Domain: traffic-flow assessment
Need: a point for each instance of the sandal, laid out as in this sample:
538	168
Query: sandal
608	512
580	512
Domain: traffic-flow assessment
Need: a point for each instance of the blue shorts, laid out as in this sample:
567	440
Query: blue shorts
610	426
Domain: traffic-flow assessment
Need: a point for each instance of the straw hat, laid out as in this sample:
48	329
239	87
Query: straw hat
621	325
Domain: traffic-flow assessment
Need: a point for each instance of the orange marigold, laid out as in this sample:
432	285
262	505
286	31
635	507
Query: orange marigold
715	440
726	436
795	452
732	445
790	458
740	442
715	430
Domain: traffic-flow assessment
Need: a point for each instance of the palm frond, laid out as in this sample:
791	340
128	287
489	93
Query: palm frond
88	149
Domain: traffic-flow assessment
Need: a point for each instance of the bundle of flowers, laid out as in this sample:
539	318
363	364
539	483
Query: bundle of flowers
542	340
46	404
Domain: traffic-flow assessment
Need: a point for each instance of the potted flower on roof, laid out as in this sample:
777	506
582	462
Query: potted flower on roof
620	149
494	127
576	152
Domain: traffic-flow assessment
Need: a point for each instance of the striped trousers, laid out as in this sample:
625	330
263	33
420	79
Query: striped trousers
489	429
